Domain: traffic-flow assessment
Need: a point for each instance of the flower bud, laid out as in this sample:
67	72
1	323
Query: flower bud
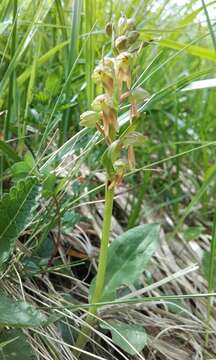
121	43
131	24
122	25
132	37
139	95
89	119
109	29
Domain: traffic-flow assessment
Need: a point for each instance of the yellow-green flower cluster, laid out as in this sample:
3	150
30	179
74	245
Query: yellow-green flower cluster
114	74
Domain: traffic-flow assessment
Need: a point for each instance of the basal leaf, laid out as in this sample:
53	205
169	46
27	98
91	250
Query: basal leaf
131	338
128	257
15	214
16	346
19	313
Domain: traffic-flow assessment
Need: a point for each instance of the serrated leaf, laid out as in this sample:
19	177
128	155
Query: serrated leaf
131	338
128	256
20	169
19	313
16	346
15	214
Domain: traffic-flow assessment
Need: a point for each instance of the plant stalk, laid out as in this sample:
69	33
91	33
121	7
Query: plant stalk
86	330
211	278
12	77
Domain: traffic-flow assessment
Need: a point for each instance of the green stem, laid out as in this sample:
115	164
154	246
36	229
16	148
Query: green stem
86	330
211	277
12	77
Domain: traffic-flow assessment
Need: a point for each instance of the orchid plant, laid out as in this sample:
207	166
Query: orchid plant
115	75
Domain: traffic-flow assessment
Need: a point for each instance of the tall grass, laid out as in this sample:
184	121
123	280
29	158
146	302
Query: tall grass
48	50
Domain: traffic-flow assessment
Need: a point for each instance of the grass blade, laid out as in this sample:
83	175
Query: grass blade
73	53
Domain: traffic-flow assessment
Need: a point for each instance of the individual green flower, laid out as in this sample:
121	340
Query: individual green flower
104	104
89	119
123	69
104	73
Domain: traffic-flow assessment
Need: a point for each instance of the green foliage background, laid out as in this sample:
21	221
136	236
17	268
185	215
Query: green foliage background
48	50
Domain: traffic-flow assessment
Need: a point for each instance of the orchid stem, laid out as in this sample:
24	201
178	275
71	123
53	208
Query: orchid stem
97	295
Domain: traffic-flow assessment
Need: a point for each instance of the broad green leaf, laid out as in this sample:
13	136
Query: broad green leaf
131	338
9	151
205	267
193	232
15	214
20	169
128	257
6	342
19	313
16	347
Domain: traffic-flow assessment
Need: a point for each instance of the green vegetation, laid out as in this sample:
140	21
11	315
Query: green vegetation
107	160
